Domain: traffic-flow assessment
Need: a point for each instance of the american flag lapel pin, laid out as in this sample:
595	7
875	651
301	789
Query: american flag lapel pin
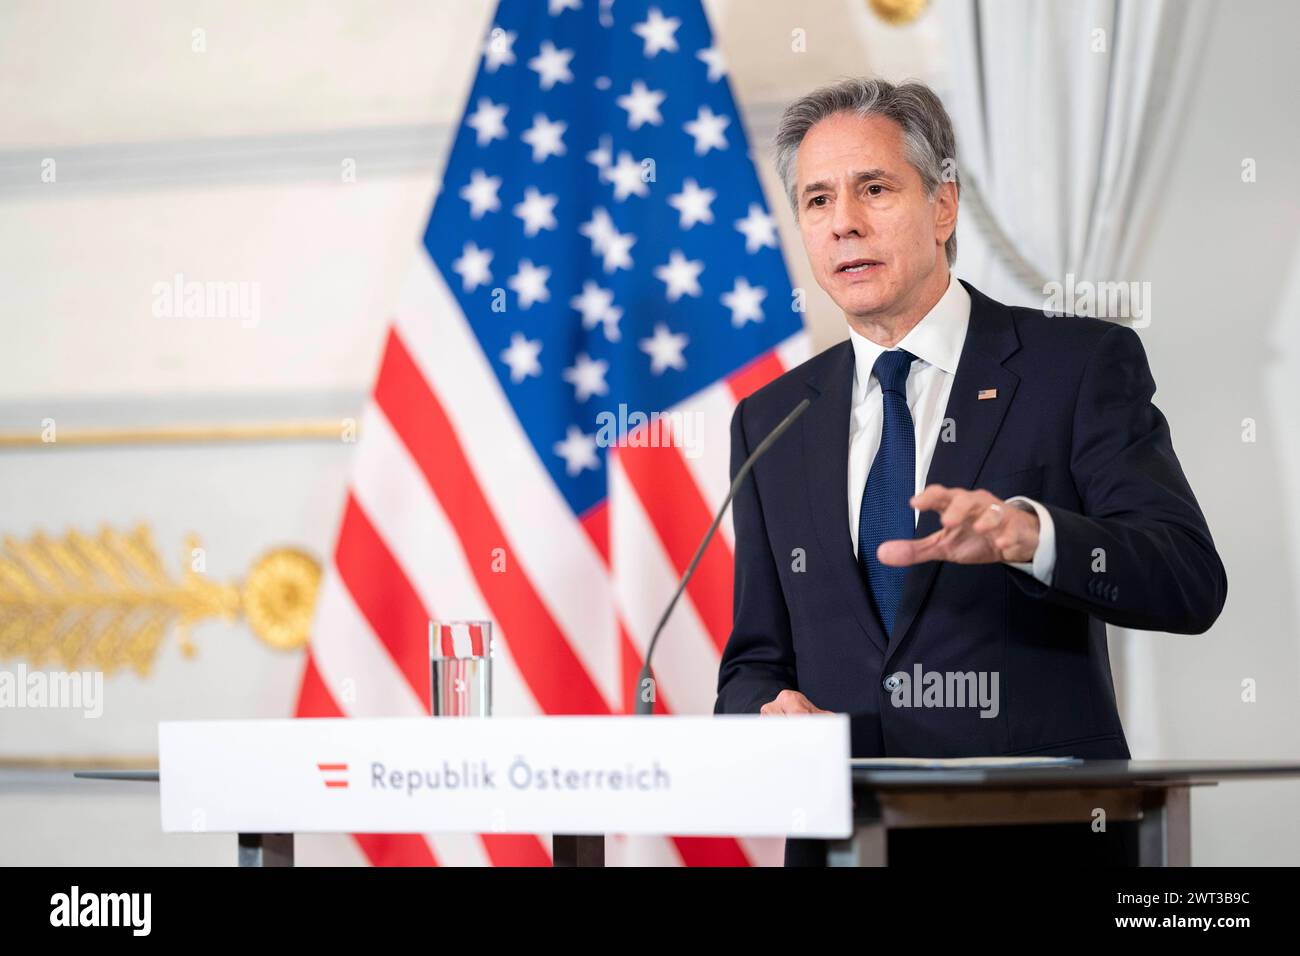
987	393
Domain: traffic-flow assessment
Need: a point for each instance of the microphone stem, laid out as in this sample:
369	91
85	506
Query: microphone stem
646	707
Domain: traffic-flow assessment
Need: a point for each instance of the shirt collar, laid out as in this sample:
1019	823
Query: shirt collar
937	339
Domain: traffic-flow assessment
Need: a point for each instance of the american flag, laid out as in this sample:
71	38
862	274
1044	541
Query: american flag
599	250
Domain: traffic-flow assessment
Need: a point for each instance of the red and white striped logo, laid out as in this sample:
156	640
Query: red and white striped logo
330	772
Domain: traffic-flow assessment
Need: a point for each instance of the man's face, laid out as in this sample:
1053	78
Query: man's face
872	235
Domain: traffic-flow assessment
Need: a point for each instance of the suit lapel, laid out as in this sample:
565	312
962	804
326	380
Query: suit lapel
825	432
990	339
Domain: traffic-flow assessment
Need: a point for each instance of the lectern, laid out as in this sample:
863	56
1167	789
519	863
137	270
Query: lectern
582	777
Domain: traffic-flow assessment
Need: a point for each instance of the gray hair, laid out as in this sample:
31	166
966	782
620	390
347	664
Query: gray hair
927	131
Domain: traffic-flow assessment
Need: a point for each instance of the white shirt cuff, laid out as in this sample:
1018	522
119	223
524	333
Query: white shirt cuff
1044	562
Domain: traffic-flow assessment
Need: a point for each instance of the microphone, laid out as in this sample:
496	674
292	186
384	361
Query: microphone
645	707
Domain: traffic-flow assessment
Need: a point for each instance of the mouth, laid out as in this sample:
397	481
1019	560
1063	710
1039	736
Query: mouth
857	266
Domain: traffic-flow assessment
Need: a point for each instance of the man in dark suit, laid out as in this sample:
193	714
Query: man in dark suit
937	545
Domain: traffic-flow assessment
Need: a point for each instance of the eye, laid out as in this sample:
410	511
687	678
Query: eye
875	186
817	201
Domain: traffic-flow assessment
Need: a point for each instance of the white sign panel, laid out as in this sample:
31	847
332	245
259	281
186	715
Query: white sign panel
722	776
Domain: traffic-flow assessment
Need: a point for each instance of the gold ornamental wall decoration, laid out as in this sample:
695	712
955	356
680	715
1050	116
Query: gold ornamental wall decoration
898	12
107	602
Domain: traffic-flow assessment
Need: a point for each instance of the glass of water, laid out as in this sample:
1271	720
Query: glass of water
460	665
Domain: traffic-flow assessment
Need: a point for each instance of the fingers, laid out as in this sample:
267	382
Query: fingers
1012	535
965	516
902	552
955	505
992	518
963	506
979	510
933	498
790	702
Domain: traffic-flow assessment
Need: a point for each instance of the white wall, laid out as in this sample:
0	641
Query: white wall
1223	259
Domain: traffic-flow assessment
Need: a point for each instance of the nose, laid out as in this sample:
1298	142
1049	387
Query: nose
850	218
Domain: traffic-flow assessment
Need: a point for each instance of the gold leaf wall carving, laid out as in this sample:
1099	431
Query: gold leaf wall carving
107	602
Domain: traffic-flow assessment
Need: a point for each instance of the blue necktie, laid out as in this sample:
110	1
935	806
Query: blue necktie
885	513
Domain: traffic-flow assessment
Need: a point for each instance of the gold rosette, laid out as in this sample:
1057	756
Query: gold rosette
898	12
280	597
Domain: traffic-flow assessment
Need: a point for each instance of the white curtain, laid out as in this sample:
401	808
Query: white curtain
1065	114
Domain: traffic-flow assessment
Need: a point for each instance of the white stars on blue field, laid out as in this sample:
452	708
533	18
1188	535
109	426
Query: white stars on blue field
601	223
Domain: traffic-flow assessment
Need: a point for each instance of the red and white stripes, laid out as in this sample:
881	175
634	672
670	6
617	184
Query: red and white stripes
451	515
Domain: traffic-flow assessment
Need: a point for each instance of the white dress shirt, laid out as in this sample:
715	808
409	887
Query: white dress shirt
936	341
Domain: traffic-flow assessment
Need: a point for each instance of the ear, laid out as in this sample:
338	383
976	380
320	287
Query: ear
945	213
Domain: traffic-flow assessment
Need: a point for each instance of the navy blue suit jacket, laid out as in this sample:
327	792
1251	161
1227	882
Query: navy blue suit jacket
1072	427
